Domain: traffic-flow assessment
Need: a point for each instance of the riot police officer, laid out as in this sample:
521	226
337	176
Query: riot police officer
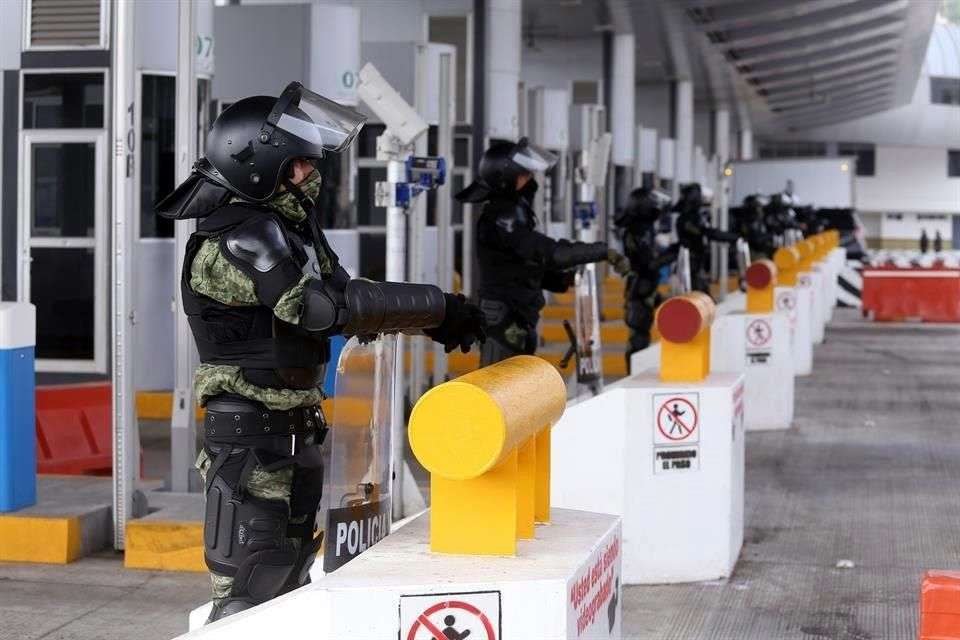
517	262
263	292
693	232
637	222
752	228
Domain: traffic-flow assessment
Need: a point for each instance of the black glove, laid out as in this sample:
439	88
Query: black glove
462	325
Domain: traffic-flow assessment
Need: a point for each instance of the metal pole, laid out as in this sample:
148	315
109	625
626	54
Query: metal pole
444	205
722	146
183	434
126	440
397	272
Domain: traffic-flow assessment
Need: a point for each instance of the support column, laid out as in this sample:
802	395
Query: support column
683	153
183	422
721	132
126	438
746	144
503	43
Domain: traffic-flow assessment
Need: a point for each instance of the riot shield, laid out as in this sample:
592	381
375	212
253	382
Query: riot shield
587	329
357	480
743	256
681	275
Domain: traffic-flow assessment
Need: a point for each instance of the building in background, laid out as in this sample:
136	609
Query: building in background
907	158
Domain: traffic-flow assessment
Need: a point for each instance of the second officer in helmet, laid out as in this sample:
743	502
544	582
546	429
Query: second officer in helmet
516	261
263	292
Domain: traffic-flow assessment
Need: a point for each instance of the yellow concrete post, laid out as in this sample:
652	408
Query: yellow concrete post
787	260
807	255
477	435
542	496
527	488
684	326
761	280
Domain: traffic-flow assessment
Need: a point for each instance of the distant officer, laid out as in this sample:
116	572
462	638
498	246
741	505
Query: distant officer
752	228
516	261
693	232
636	222
937	242
263	292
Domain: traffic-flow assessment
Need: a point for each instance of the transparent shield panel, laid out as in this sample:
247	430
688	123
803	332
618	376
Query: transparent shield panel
587	328
534	158
62	289
320	121
62	189
356	506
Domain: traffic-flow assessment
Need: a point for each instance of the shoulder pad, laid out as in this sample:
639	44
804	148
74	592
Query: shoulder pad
259	248
260	242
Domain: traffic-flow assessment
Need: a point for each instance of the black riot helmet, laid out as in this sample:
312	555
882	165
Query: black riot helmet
251	143
642	209
500	167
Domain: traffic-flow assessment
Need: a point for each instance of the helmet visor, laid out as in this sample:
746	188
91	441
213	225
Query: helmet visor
533	158
315	119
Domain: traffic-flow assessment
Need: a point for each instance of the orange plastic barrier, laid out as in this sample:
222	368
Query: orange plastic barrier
940	606
73	429
932	295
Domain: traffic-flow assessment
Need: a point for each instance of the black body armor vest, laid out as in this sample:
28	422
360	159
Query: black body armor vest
270	353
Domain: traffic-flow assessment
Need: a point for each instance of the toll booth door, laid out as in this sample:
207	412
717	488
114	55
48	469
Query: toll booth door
62	246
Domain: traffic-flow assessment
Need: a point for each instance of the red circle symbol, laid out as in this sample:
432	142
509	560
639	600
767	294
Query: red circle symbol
424	620
759	332
677	419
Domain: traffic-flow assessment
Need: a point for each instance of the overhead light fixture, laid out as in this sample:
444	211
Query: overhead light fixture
844	166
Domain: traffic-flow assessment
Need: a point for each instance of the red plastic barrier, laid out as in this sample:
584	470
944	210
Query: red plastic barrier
940	606
932	295
74	433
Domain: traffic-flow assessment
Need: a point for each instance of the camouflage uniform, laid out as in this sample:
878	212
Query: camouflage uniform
213	276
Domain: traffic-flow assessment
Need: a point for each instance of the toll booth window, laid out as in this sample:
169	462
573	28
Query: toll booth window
63	101
157	152
945	90
953	163
369	215
865	155
367	140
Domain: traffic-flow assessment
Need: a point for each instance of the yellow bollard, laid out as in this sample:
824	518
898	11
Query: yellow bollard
807	252
484	437
684	325
787	260
761	280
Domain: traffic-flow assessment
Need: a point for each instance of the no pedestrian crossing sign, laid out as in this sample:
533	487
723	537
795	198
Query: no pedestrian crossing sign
676	417
450	616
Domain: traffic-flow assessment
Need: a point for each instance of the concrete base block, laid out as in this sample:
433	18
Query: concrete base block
678	485
566	583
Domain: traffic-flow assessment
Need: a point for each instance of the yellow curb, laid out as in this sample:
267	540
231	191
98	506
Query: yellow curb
53	540
164	545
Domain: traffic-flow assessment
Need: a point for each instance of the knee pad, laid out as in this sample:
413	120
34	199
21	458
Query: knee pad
245	537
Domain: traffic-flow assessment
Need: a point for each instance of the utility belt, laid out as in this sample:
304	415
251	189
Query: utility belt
230	416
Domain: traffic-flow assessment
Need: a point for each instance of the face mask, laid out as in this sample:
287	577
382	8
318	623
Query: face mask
286	202
529	190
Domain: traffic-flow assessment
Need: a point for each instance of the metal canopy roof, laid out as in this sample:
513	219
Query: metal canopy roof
802	64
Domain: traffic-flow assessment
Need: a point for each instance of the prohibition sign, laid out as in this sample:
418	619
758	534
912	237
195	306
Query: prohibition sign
677	419
786	302
452	606
759	333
